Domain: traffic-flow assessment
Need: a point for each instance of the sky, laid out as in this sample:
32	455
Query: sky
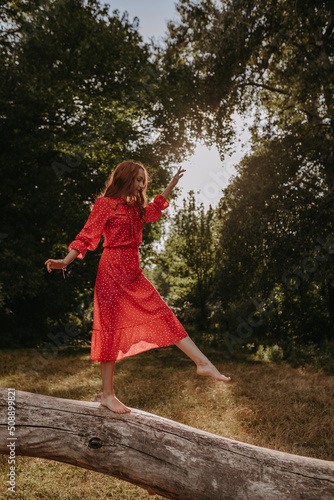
205	173
153	15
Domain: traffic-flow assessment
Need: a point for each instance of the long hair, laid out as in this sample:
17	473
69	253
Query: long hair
120	183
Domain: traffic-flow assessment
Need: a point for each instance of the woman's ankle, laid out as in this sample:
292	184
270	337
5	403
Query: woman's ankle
203	363
108	394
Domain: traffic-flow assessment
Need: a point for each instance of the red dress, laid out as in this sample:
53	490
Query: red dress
129	314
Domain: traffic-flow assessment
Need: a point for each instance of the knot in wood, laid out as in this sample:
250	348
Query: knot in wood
95	443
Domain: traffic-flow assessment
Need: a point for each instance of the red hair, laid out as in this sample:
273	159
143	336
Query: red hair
120	183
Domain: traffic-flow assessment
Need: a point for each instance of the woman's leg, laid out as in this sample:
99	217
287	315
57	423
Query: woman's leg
108	398
204	366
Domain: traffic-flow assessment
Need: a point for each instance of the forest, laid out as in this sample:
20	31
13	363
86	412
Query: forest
80	91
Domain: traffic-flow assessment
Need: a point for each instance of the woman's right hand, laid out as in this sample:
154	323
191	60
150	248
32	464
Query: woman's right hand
55	264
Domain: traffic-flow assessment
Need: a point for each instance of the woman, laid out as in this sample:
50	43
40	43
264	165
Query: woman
129	315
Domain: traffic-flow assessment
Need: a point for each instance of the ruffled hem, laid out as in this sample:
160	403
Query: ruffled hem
112	346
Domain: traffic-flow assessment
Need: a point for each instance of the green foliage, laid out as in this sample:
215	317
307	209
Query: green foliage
272	59
270	353
185	267
274	219
272	63
80	91
77	93
315	354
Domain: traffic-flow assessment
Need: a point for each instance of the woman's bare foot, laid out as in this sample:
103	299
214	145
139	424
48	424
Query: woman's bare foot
114	404
209	370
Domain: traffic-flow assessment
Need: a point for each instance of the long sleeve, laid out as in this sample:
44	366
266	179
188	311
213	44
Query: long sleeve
153	210
90	235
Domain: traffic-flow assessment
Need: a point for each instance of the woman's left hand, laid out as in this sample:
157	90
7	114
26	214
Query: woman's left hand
55	264
177	177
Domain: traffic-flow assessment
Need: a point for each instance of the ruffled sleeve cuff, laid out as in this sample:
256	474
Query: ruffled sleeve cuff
153	209
80	246
161	202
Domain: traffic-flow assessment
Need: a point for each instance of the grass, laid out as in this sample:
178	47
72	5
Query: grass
266	404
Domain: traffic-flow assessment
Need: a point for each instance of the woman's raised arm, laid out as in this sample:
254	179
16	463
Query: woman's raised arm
173	183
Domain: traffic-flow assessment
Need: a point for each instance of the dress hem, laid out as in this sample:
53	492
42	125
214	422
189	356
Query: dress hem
137	338
136	353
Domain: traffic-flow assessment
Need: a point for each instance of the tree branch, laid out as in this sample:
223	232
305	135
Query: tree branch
267	87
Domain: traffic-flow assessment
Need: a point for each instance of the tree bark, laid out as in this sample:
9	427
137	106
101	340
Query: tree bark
330	289
167	458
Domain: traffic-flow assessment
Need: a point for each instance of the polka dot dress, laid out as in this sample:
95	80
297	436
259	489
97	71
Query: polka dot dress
129	314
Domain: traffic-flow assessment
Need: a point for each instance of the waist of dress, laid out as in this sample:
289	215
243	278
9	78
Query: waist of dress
131	246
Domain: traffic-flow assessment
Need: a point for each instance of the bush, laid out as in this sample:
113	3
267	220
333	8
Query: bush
270	354
260	352
312	354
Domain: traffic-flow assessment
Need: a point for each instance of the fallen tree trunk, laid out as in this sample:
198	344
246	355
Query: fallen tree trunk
167	458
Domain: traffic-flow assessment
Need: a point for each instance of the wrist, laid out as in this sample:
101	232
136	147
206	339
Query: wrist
73	253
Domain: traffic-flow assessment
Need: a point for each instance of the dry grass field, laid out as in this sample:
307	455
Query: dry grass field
266	404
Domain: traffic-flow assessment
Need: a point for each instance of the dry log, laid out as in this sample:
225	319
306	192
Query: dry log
167	458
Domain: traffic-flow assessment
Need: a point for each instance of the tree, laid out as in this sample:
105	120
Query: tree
273	61
272	234
77	95
185	266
